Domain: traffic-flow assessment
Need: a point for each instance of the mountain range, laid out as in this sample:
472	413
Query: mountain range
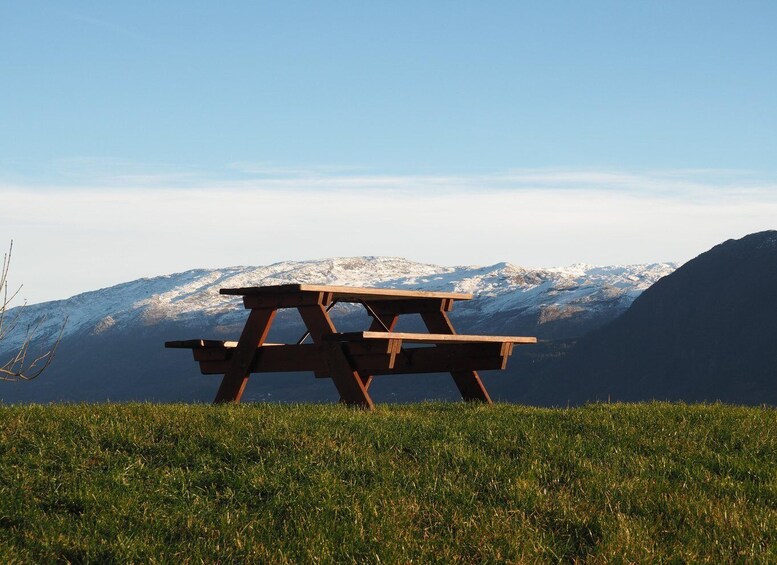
112	345
704	331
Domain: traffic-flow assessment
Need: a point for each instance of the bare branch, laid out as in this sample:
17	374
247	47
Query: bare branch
18	367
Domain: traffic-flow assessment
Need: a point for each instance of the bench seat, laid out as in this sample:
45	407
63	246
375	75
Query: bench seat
429	338
372	353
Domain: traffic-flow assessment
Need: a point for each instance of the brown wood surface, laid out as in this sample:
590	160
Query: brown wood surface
348	382
198	343
381	321
317	321
286	358
236	376
468	382
411	306
430	338
441	358
345	293
287	300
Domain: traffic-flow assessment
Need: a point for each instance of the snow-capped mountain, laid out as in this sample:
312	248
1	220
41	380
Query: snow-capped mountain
112	346
541	296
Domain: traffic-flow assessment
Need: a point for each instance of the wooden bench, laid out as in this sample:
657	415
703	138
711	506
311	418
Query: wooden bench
376	353
352	359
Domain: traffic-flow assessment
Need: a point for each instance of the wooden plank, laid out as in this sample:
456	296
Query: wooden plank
319	324
309	357
287	358
462	350
236	376
467	381
212	353
280	351
287	300
317	321
434	360
198	343
411	306
381	321
409	361
345	293
470	386
373	347
386	347
430	338
347	380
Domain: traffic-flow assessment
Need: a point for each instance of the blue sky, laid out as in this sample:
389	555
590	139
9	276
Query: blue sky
666	108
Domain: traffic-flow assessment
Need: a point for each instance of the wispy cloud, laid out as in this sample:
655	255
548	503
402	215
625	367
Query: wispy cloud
102	172
136	223
271	170
109	174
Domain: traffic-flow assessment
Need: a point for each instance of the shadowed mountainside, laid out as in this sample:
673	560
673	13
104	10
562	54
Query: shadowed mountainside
703	333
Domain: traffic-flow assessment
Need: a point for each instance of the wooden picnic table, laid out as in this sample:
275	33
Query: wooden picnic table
352	359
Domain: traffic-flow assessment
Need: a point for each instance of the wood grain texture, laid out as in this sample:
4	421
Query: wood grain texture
430	338
254	333
468	382
388	359
198	343
348	382
410	305
345	293
381	321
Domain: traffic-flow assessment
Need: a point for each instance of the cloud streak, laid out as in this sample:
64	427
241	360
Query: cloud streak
73	239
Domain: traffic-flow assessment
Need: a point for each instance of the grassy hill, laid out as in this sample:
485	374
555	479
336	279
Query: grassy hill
420	483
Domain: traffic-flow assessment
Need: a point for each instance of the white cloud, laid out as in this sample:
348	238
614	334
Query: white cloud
69	240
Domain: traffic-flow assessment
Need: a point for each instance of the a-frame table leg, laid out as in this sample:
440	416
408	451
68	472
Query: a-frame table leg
254	334
347	380
468	382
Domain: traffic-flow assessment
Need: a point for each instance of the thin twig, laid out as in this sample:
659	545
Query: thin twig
17	367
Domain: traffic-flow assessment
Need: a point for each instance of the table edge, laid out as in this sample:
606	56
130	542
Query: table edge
367	292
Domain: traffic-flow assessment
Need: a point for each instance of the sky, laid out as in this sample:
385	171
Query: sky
145	138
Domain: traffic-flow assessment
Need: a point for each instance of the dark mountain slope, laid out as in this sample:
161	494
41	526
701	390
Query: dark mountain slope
708	331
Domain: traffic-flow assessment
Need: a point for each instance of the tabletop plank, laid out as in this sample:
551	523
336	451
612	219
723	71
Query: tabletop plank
346	293
431	338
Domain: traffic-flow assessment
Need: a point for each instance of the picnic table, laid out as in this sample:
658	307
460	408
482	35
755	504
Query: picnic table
351	359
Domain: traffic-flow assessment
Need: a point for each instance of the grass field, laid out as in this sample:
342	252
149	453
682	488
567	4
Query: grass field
420	483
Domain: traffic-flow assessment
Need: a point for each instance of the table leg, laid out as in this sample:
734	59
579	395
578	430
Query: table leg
468	382
346	379
254	334
380	322
348	382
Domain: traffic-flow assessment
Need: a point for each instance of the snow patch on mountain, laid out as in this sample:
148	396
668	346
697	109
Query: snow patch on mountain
550	293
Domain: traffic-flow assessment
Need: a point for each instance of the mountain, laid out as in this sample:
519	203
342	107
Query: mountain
112	346
705	332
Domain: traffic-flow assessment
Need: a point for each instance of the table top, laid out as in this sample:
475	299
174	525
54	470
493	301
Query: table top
345	293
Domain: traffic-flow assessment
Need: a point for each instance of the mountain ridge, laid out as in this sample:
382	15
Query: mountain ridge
177	296
112	345
705	332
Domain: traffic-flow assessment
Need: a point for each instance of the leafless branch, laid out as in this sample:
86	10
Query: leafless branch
22	365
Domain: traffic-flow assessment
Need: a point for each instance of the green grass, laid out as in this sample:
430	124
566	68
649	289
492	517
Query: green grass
420	483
